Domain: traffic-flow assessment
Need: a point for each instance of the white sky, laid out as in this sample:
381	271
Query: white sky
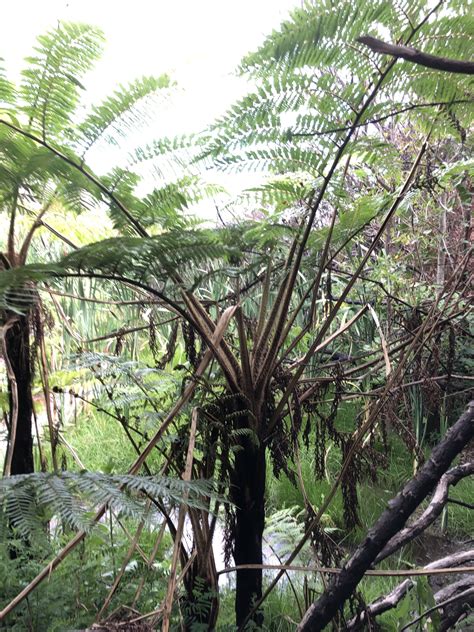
198	42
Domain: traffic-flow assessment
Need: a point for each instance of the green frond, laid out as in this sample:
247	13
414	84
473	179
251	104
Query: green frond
28	501
312	79
166	207
35	174
279	159
281	194
52	82
125	110
152	261
146	259
7	90
17	291
319	34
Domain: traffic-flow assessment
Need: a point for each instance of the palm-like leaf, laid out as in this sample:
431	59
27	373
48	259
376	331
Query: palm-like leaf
125	110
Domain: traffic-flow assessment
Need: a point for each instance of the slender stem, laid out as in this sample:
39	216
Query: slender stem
379	119
87	174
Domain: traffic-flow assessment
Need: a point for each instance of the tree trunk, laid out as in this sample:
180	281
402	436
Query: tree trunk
17	341
248	494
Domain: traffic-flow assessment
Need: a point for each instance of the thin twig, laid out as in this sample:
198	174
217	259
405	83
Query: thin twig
412	572
179	531
379	119
442	604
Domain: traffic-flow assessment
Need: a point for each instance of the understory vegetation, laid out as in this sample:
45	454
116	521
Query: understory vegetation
262	421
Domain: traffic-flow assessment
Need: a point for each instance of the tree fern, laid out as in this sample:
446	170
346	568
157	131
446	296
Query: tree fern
312	77
148	261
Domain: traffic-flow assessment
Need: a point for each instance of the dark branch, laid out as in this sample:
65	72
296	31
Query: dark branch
387	602
389	524
381	605
384	117
417	57
461	503
439	500
466	596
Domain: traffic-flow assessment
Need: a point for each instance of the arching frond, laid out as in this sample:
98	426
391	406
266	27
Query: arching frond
313	78
52	82
126	109
27	501
7	89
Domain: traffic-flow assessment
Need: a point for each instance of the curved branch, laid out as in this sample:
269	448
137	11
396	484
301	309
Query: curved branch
390	522
438	501
469	593
387	602
415	56
380	605
92	178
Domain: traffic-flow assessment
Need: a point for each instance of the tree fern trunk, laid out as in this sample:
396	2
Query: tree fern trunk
248	494
17	340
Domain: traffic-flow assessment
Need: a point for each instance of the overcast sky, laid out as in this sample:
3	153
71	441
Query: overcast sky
199	42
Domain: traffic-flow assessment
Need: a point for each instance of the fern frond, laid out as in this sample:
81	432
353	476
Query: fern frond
143	259
125	110
7	89
27	501
312	79
52	82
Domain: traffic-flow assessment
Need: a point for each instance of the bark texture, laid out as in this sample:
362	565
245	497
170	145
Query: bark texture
434	509
17	342
417	57
248	494
390	523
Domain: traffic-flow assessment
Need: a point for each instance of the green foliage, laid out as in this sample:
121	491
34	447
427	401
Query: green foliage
126	109
85	577
323	118
31	499
312	78
52	82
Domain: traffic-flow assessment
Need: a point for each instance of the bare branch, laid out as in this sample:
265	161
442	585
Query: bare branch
381	605
466	594
417	57
389	523
387	602
438	501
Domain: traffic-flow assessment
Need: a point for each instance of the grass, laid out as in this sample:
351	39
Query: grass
373	497
102	445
